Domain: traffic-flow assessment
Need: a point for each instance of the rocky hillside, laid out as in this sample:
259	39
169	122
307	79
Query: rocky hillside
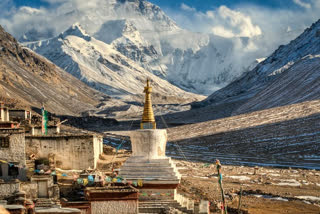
283	136
32	80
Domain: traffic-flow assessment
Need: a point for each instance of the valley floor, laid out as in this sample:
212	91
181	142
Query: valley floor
265	190
268	190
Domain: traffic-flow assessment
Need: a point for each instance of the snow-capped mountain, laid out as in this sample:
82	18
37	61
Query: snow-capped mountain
125	38
141	31
101	66
290	75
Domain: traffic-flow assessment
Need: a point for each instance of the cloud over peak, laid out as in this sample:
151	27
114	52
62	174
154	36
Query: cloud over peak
234	24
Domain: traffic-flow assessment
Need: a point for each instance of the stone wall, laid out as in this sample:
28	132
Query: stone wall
157	194
14	154
71	152
123	206
31	189
16	151
7	189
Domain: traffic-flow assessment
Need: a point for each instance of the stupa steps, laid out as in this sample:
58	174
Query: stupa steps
134	159
130	172
174	179
147	169
134	164
147	176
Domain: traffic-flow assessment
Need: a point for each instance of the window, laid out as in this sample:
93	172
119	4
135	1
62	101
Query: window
4	142
13	171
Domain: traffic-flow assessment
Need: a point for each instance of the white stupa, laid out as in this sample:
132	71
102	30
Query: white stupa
148	163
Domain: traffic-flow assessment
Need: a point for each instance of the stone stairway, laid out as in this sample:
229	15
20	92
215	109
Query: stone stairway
149	169
45	202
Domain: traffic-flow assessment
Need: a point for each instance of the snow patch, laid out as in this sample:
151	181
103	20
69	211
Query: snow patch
241	178
288	182
310	198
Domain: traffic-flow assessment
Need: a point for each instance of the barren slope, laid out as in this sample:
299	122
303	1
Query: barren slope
283	136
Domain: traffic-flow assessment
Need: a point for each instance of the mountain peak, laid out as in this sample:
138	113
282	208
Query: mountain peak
76	30
114	29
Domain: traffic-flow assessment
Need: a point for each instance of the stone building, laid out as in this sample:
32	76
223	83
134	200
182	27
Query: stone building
12	154
67	151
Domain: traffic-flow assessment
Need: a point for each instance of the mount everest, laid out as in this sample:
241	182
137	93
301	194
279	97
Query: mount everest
140	31
99	65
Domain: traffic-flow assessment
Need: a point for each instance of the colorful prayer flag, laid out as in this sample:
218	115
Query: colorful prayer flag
44	126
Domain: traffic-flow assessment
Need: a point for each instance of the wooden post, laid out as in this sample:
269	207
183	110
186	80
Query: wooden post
224	205
239	205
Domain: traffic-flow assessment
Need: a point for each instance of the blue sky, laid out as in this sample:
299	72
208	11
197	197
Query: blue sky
267	19
201	5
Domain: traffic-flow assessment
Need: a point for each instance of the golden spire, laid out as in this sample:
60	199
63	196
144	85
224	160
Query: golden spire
148	121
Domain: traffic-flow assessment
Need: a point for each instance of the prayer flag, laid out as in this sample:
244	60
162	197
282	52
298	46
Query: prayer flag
44	127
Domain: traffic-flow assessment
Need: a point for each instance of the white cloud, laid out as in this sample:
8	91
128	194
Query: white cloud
266	28
187	8
222	31
234	23
301	3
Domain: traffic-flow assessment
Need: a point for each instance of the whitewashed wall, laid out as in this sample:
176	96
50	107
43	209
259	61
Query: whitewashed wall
71	152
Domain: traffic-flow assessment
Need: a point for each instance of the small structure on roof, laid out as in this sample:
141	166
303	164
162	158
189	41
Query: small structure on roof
4	112
51	130
19	114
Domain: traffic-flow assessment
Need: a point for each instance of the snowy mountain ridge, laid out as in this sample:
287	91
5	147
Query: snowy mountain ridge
141	31
101	66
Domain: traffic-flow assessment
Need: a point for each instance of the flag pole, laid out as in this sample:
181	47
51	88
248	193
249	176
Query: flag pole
224	205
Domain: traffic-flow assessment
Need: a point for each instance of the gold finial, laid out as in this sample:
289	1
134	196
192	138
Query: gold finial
148	121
